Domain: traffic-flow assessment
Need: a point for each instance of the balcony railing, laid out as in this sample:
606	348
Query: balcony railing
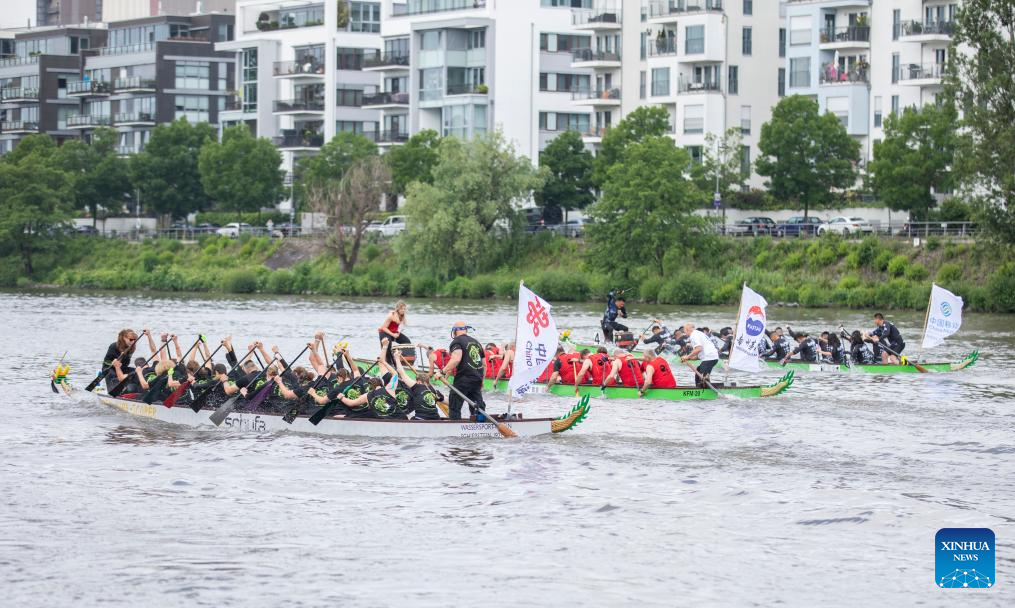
580	55
384	99
18	126
662	47
392	137
145	47
12	61
929	71
832	74
927	28
467	89
86	120
378	60
298	105
298	68
606	94
299	140
88	87
593	17
133	117
422	7
851	33
126	150
664	8
708	86
134	83
19	94
595	131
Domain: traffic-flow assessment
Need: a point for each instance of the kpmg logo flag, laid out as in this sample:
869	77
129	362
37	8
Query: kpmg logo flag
944	316
964	558
750	332
536	340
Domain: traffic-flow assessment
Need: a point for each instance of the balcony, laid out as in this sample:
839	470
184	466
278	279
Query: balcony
298	106
594	134
467	89
587	58
19	95
88	88
423	7
126	150
927	75
601	20
130	49
663	47
8	62
927	31
391	137
592	97
134	84
386	100
685	87
380	62
842	38
288	18
299	141
134	119
15	127
667	11
831	74
87	122
305	69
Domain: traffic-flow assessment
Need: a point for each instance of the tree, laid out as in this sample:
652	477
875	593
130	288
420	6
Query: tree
981	80
726	164
100	177
336	157
34	198
456	224
414	161
347	202
166	172
804	153
569	175
916	155
647	206
242	173
646	121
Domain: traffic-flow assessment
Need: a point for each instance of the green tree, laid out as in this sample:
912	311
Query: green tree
336	158
915	156
646	121
569	168
242	173
414	161
166	172
647	206
806	154
720	155
465	220
981	80
35	195
101	178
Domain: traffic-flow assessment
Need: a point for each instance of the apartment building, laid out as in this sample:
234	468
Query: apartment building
67	12
124	10
129	76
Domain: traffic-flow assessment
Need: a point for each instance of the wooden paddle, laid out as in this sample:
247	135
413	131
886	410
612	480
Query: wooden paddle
502	428
574	370
266	389
294	411
706	382
199	400
113	392
322	413
170	401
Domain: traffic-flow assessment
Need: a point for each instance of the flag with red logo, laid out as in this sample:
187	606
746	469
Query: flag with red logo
535	340
750	332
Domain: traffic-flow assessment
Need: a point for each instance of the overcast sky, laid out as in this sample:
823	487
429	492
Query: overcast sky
16	13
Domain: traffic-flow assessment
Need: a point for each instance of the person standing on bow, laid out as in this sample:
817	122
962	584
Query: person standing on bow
468	366
391	329
614	306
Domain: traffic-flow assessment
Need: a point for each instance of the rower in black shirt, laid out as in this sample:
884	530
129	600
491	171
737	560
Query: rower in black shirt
807	348
121	350
468	365
888	334
859	351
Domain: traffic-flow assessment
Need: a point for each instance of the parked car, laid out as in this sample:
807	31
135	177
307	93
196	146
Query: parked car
284	229
846	226
798	225
235	229
752	226
389	227
87	229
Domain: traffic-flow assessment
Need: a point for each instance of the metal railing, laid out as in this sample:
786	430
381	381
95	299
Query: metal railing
894	229
850	33
298	68
926	28
298	140
708	86
12	126
662	47
832	74
391	137
914	71
664	8
467	89
87	120
383	99
145	47
13	61
590	55
134	83
298	105
422	7
593	17
595	131
133	117
19	93
378	60
88	87
604	94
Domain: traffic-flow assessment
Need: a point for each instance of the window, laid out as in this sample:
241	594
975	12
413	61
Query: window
397	47
746	42
695	152
561	121
248	74
694	39
733	81
223	84
349	58
643	41
365	17
840	107
782	42
877	111
895	68
745	161
896	24
563	43
477	39
800	72
641	84
748	7
349	97
431	40
193	108
800	30
660	82
192	75
355	126
895	105
225	32
782	82
564	83
694	119
745	120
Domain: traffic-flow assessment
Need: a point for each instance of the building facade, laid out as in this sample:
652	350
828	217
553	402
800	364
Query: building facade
124	10
67	12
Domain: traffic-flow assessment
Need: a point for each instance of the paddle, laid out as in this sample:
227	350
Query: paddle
706	382
634	344
199	400
502	428
219	415
52	383
322	413
267	388
902	360
574	369
170	401
113	392
160	382
294	411
630	364
102	375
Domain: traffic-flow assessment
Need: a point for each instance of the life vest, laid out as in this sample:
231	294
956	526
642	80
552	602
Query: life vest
662	375
493	362
441	356
630	371
569	364
624	339
600	367
547	372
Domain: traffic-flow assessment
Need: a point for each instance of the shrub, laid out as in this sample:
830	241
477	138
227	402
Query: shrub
949	273
282	281
506	288
1001	288
793	261
371	252
933	243
149	259
398	286
423	286
812	295
898	265
917	272
868	251
881	262
686	288
649	290
726	293
481	287
853	261
765	259
849	281
456	288
561	286
240	281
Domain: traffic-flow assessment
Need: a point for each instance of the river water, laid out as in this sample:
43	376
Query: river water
828	495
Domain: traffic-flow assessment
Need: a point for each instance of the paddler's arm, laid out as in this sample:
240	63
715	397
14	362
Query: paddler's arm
452	364
179	351
353	368
117	367
284	390
140	377
649	372
383	360
406	380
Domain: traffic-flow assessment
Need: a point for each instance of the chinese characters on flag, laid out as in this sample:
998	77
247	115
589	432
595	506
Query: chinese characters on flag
536	340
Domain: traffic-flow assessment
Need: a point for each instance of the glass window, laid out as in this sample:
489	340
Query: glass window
223	84
397	47
745	120
782	42
477	39
192	107
733	82
249	76
694	39
660	82
192	75
895	67
896	24
800	30
877	110
349	58
800	72
895	105
641	84
745	161
746	43
748	7
365	17
694	119
431	40
782	82
695	152
349	97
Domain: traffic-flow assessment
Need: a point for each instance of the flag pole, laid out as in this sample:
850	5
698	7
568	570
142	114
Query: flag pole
511	393
926	318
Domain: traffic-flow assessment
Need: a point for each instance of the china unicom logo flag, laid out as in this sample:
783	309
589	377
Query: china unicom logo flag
964	558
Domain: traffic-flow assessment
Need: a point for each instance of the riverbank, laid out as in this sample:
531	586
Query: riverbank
827	271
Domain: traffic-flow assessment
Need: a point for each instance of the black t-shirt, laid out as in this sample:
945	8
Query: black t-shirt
808	350
424	401
382	405
889	335
471	365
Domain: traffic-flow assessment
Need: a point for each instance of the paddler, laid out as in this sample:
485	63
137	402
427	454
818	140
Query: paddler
615	305
887	334
423	397
468	367
703	350
595	367
506	363
657	372
624	370
120	351
565	367
807	348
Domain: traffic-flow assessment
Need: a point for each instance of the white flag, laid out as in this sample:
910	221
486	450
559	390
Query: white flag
535	340
944	316
750	332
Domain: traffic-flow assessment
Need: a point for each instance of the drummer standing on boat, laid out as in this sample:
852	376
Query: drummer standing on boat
468	366
614	306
